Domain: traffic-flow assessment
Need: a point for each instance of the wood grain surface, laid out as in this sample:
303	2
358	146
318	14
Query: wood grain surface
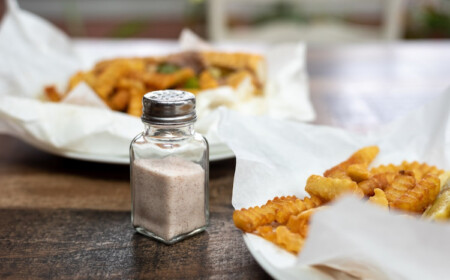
69	219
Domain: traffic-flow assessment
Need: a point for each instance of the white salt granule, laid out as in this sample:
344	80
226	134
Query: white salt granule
169	196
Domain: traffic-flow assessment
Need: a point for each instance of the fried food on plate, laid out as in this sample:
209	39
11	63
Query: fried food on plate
122	82
379	198
277	210
403	182
282	237
410	186
290	241
249	219
420	196
419	169
52	93
358	172
363	157
377	181
299	223
268	233
328	189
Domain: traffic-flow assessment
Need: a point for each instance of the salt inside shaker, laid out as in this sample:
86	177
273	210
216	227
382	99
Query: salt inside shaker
169	165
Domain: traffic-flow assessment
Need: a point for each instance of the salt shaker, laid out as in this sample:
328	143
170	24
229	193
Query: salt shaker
169	165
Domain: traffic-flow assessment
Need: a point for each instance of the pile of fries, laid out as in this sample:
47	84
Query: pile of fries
416	188
121	83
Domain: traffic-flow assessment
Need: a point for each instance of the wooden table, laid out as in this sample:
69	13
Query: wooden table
65	219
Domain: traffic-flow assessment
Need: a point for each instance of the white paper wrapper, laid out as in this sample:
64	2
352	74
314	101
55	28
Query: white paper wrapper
35	54
275	158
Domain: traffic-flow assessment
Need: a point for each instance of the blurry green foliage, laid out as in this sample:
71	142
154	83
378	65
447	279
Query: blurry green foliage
431	21
436	23
280	11
192	83
129	29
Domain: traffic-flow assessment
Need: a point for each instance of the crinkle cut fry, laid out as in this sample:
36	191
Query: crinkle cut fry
289	208
249	219
300	223
290	241
378	181
279	209
419	169
402	182
282	237
418	198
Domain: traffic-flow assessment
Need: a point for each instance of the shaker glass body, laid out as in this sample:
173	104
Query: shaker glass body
169	182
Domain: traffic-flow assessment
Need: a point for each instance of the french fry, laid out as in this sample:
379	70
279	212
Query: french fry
420	196
207	81
409	186
363	156
379	198
358	172
330	188
52	93
290	241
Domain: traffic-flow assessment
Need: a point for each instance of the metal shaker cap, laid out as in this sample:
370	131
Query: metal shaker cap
168	107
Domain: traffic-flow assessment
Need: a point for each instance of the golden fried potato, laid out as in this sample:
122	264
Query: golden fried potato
363	156
75	80
282	237
119	100
135	103
285	210
108	78
237	61
403	182
328	189
115	79
290	241
268	233
207	80
379	198
409	186
299	223
419	169
358	172
52	93
235	79
249	219
378	181
391	168
312	202
418	198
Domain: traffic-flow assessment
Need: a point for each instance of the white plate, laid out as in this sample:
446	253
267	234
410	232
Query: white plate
290	271
217	152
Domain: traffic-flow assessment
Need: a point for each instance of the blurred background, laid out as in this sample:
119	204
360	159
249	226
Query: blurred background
314	21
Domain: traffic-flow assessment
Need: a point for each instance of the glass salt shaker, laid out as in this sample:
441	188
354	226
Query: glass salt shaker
169	165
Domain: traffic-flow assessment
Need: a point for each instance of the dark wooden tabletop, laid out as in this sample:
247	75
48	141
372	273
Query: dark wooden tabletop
62	218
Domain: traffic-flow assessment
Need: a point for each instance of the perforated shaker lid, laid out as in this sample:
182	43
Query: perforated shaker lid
168	107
